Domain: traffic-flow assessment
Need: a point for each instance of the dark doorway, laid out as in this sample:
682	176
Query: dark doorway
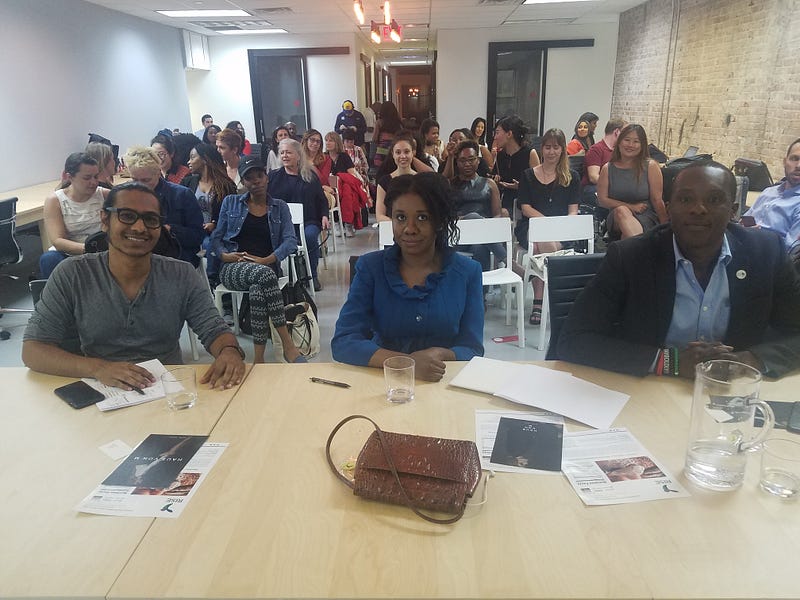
417	95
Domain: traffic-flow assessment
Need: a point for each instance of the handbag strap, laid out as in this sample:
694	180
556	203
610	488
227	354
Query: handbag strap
392	467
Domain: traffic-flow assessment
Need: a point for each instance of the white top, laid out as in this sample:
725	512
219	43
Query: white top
81	219
369	118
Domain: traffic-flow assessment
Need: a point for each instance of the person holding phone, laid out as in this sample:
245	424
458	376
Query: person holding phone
253	235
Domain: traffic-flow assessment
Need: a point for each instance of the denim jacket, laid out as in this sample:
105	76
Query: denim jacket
232	216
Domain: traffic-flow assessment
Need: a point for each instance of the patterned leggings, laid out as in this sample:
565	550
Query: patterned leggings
266	300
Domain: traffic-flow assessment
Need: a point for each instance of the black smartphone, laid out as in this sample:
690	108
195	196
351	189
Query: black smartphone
747	221
793	424
79	394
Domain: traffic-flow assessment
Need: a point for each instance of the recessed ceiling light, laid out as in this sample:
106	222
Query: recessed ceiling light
213	13
251	31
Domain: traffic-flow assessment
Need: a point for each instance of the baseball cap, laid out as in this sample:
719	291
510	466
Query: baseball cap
347	105
248	163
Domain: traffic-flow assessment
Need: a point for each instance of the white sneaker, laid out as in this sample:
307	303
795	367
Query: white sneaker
348	230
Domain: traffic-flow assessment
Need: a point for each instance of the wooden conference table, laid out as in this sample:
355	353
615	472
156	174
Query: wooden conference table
30	206
272	521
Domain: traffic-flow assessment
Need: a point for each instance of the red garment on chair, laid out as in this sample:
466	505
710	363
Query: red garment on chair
352	198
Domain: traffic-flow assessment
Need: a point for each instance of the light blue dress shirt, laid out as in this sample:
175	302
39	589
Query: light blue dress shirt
698	314
778	209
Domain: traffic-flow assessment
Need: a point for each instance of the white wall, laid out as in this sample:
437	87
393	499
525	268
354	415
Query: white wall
70	68
578	79
225	91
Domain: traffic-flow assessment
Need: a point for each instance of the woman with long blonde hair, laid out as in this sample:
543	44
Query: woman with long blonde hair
549	189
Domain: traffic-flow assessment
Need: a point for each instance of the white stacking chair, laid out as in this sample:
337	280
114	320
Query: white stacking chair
302	249
333	181
493	231
553	229
385	234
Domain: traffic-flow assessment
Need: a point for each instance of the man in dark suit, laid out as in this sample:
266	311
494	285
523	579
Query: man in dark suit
696	289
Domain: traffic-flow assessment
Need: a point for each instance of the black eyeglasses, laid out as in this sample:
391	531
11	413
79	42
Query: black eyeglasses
129	216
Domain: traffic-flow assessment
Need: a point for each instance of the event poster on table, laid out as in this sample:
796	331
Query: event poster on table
157	479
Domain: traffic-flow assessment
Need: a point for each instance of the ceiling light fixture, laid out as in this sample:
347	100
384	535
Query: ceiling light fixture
211	13
375	32
387	13
358	8
395	32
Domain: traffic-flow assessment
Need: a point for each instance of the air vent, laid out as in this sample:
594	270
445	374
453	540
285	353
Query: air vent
222	25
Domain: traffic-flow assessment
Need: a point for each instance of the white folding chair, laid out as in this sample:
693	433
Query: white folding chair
553	229
385	234
333	181
302	249
493	231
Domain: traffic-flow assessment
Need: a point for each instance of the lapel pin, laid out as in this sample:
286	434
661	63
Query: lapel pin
741	274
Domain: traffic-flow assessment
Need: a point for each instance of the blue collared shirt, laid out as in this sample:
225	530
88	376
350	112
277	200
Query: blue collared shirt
778	209
698	314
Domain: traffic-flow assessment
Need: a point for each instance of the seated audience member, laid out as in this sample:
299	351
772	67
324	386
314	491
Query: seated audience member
429	135
254	234
127	305
579	144
550	189
297	182
239	128
478	131
229	144
72	213
352	196
171	169
291	127
513	157
695	289
182	215
418	297
592	120
210	183
106	162
207	121
597	156
357	155
210	135
778	207
476	197
314	152
351	120
630	186
401	153
273	157
449	168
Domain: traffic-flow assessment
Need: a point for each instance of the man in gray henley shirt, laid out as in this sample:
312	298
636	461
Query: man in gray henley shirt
127	305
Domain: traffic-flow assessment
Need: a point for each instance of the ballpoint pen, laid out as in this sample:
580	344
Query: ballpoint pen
329	382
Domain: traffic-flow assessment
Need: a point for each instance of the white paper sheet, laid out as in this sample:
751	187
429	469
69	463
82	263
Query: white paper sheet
554	391
612	467
119	398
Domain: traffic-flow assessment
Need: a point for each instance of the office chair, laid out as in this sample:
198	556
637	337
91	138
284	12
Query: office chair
567	276
10	253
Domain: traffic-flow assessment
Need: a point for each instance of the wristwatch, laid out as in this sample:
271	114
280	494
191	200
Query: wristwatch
237	348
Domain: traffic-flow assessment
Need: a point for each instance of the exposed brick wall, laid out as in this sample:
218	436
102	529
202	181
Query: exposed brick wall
731	85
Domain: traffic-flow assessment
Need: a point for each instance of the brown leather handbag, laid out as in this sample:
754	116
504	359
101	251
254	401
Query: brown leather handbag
419	472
